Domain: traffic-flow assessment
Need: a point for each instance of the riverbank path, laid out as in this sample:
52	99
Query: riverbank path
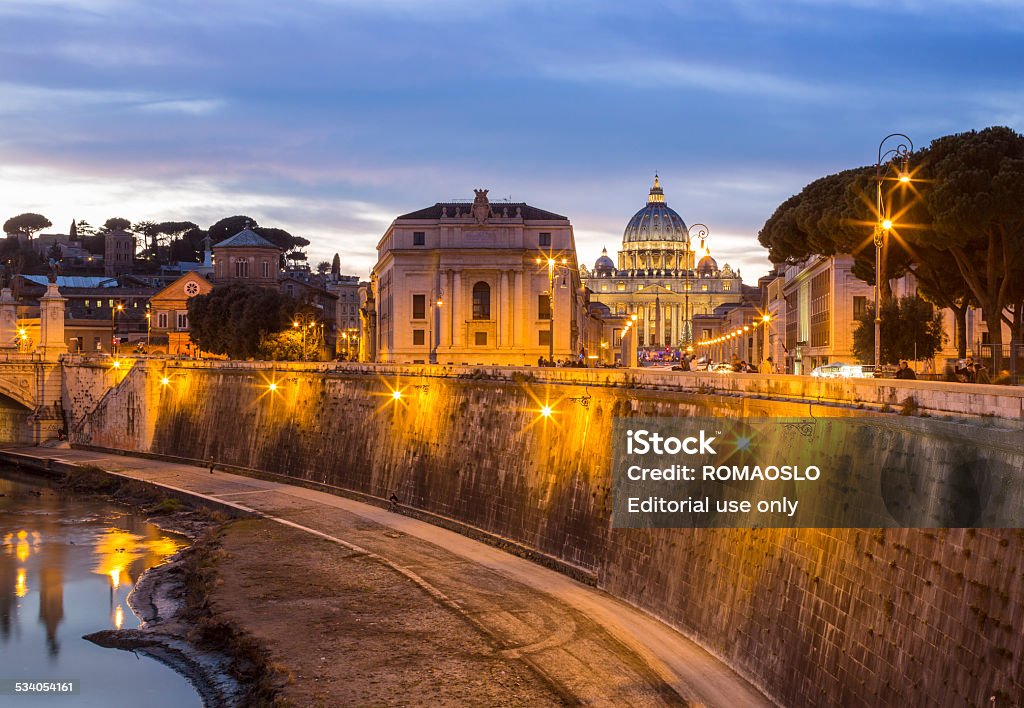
590	646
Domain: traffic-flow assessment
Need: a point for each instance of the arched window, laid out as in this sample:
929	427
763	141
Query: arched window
481	301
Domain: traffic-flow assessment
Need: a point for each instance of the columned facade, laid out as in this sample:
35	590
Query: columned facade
459	283
662	278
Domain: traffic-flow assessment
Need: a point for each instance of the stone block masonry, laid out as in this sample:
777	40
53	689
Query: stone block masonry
816	617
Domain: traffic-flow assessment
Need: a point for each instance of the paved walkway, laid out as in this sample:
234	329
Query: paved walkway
592	647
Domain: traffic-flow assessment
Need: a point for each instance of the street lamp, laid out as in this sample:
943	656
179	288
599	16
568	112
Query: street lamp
766	322
114	309
552	265
302	327
899	158
702	234
149	326
435	305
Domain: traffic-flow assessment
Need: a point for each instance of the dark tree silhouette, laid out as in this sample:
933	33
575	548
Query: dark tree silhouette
27	223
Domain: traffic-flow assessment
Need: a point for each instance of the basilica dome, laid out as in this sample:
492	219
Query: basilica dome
707	265
655	222
604	263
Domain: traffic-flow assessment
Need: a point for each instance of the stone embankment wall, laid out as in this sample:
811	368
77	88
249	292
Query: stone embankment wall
815	616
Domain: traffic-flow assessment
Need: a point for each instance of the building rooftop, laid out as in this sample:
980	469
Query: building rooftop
515	210
74	281
246	238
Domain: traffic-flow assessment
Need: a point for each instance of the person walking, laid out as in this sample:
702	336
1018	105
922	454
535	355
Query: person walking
768	366
212	465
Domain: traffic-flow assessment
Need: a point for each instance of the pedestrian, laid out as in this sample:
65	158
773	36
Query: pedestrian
212	465
905	372
768	366
981	374
393	501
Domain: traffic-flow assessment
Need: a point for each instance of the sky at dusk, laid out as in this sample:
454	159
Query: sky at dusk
329	118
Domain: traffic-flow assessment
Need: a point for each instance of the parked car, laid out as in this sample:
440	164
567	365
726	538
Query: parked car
839	370
828	371
858	371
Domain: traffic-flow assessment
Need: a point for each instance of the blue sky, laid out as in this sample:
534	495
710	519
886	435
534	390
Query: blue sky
328	118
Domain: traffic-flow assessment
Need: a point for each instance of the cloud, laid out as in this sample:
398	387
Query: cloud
24	98
195	106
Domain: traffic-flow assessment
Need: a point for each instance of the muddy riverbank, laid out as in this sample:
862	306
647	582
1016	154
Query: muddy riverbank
258	613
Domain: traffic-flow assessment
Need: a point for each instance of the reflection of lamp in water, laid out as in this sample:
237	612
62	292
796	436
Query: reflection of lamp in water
115	577
118	617
23	550
20	587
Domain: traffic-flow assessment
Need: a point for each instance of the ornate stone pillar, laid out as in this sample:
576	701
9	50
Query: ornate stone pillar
504	314
51	324
518	315
8	320
458	312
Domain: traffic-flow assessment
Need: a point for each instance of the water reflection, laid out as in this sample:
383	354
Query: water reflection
73	563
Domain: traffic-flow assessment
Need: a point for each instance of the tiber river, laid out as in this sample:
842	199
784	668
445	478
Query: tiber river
66	568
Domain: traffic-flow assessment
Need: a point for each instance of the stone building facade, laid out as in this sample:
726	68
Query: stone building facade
246	257
460	283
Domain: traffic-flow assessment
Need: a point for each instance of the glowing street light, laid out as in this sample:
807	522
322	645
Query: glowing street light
114	342
898	158
396	394
552	264
545	411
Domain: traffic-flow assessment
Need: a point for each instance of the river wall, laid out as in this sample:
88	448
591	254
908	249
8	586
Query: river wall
816	617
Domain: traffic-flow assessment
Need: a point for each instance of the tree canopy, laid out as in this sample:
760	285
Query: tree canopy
958	225
234	320
27	223
115	223
911	329
229	226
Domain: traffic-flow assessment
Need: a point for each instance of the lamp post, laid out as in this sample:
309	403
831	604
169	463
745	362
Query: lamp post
114	309
766	322
302	327
899	158
702	234
149	326
435	306
552	265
